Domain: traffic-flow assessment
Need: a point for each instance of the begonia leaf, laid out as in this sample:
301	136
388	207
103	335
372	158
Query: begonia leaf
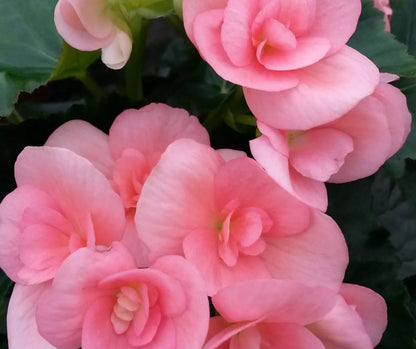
374	259
372	41
73	63
402	23
29	48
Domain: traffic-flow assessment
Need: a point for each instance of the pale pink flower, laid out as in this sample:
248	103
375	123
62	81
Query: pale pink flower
62	203
101	300
295	47
349	148
233	222
384	6
278	313
89	25
126	156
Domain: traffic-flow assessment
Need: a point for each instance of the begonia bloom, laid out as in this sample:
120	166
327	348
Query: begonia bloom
233	222
62	203
288	55
90	25
126	156
22	329
101	300
349	148
384	6
281	313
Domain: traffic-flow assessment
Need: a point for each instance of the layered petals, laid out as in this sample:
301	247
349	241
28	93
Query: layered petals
274	313
262	44
233	222
90	26
351	147
22	329
62	203
114	304
326	91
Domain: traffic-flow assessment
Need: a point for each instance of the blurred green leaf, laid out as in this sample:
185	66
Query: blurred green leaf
73	63
29	48
403	23
372	41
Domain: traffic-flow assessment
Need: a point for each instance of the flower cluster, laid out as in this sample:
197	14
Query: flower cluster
120	240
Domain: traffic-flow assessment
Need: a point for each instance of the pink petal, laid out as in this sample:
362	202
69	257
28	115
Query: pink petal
152	128
97	329
397	114
22	329
289	336
117	53
273	301
201	248
80	190
207	34
307	51
316	257
247	339
85	140
61	309
73	22
243	180
327	90
222	332
370	306
341	328
319	153
183	181
231	154
236	31
12	209
276	164
192	325
368	127
191	8
135	245
335	20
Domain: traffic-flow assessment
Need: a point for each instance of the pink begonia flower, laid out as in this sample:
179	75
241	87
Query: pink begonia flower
89	25
349	148
62	203
127	155
279	313
384	6
101	300
233	222
288	55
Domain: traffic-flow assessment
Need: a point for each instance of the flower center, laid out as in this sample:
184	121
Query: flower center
128	302
241	232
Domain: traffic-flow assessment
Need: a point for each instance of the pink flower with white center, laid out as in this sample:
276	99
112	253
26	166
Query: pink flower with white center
62	203
90	25
291	52
126	156
384	6
349	148
101	300
266	314
233	222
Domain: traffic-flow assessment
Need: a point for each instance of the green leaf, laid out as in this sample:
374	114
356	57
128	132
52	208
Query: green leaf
148	9
403	23
29	48
371	40
73	63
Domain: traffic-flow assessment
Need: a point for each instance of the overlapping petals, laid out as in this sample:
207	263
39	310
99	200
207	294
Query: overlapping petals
114	305
233	222
351	147
62	203
89	25
277	313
